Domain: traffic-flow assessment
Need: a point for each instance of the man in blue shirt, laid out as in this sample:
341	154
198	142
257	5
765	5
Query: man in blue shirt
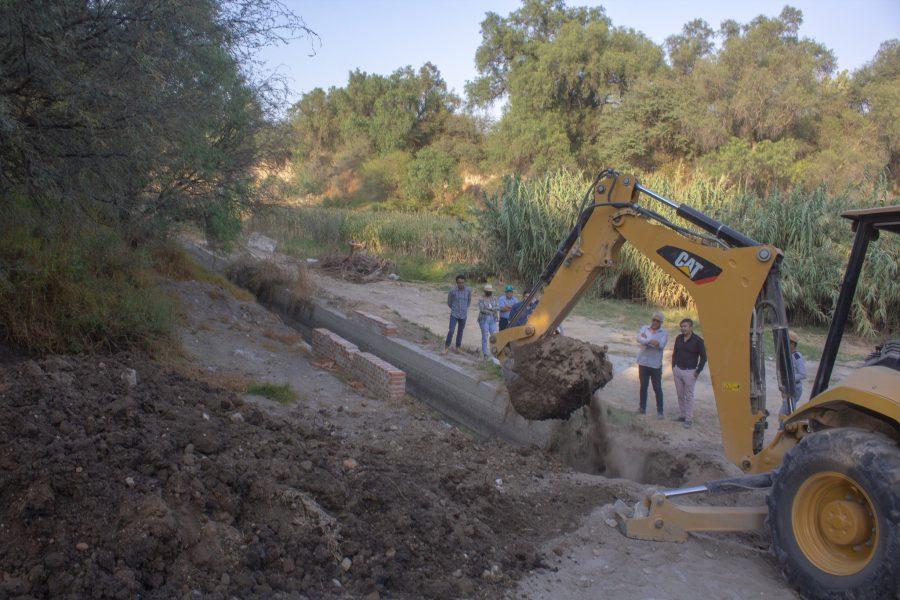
458	299
506	303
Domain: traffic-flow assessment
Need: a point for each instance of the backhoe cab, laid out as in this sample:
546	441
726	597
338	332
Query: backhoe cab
833	472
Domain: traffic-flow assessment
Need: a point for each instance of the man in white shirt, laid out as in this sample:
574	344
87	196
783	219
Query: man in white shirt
652	338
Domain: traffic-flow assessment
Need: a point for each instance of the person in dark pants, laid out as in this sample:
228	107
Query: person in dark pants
688	360
506	303
652	339
458	299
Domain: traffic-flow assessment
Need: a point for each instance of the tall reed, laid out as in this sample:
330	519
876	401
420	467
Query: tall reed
525	220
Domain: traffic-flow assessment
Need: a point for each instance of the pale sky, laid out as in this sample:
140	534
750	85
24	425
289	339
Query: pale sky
379	36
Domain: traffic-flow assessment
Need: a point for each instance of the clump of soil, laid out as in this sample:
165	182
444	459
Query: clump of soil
584	443
358	267
122	483
556	376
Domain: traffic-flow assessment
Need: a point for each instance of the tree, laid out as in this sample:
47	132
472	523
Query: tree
138	109
571	72
694	42
507	42
876	95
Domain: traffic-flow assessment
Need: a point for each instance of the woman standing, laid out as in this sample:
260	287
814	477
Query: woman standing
487	318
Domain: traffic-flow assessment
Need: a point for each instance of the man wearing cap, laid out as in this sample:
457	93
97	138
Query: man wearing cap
688	360
487	318
652	339
799	374
505	305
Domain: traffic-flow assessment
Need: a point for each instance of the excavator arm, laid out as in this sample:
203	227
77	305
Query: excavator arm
733	280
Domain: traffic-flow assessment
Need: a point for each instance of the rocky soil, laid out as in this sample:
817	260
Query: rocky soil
121	478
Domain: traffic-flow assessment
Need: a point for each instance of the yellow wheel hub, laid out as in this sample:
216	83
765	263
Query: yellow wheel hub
834	523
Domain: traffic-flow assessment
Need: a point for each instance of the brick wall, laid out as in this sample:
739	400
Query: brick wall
383	379
333	347
375	323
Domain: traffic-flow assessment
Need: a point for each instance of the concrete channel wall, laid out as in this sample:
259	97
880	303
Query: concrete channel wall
479	406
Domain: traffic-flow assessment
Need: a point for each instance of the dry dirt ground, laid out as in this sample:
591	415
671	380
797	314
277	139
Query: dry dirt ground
578	554
166	483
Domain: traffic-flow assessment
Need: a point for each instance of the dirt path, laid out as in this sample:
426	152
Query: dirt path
565	530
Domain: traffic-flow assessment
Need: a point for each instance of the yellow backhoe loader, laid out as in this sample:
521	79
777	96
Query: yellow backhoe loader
833	471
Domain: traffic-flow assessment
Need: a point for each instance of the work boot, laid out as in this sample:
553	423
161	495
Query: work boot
687	424
445	350
456	349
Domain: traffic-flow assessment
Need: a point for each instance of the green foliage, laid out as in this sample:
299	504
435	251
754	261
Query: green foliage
432	175
756	103
281	393
145	110
380	138
117	119
421	235
67	286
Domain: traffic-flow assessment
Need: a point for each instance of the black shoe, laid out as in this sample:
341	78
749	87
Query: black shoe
679	419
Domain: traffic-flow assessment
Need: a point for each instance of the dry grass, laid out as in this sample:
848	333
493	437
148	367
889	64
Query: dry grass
288	339
171	261
265	278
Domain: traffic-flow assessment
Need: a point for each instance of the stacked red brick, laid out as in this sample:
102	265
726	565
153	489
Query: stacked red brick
381	378
333	347
375	323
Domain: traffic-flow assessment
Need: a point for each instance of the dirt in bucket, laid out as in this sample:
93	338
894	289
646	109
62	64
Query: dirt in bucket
556	376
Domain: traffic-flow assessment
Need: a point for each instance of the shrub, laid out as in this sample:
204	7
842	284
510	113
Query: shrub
72	287
432	175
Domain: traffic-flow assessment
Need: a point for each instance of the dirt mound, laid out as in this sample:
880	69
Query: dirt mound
556	376
116	483
358	267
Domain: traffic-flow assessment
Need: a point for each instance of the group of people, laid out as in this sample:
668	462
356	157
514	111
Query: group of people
688	360
493	313
688	354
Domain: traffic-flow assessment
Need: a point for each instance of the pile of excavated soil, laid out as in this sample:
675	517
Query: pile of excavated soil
115	483
556	376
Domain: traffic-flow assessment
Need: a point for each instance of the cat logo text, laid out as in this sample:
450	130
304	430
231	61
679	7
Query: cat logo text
697	269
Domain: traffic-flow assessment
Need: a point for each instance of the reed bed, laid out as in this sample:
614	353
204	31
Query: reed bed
436	237
525	220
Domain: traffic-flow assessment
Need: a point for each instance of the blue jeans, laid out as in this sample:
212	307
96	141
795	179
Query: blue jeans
453	323
798	393
488	326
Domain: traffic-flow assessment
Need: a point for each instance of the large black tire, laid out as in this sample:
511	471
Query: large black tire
872	461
